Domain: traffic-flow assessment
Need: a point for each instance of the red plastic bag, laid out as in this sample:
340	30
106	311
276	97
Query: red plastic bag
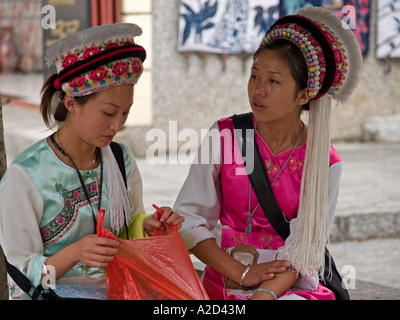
153	268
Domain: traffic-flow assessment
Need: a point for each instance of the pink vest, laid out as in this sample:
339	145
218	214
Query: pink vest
235	190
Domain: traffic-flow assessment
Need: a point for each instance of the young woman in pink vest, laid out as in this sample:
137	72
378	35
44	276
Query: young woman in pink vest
306	61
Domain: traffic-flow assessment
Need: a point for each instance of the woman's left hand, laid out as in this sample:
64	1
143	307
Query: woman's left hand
170	217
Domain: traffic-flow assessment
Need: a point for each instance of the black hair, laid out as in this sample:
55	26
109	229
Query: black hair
60	111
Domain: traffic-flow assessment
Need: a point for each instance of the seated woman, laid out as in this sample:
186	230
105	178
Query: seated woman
300	65
51	193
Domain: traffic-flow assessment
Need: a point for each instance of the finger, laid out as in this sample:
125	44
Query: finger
99	261
150	224
267	276
175	219
270	269
283	263
106	242
101	250
276	264
166	214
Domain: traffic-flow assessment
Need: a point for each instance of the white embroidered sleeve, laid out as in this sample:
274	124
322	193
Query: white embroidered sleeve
21	208
198	200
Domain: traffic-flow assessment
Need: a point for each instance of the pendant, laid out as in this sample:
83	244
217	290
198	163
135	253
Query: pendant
245	254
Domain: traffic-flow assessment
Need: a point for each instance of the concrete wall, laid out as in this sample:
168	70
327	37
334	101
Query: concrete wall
195	90
25	18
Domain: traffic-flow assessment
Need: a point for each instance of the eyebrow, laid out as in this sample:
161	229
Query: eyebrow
115	105
273	71
112	104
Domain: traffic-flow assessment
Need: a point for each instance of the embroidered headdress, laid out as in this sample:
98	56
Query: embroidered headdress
329	47
334	64
97	58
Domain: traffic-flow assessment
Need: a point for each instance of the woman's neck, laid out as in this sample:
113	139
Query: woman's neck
79	153
282	136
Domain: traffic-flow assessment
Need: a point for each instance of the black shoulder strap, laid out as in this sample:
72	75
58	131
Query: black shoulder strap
258	176
263	190
119	156
20	279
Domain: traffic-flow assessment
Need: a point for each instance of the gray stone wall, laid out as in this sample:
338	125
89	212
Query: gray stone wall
195	90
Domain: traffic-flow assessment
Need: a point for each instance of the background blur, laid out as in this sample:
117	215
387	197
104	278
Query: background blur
195	87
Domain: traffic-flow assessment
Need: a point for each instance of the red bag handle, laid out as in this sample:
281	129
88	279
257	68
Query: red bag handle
100	219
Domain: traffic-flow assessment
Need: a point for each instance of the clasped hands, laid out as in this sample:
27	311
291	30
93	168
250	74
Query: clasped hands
260	275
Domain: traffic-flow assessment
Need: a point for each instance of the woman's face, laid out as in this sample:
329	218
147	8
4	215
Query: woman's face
99	120
272	89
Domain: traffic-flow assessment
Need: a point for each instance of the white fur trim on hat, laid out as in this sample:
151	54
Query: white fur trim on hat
85	38
350	45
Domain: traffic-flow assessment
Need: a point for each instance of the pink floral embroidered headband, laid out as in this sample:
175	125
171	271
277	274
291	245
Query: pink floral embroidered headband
98	58
331	51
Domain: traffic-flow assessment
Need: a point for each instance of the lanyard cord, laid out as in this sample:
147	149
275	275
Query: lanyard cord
81	179
250	216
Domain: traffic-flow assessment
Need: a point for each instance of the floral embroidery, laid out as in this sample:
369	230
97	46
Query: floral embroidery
98	74
69	60
260	240
273	164
239	238
77	82
90	52
266	240
120	68
295	166
105	76
136	66
84	268
112	45
74	200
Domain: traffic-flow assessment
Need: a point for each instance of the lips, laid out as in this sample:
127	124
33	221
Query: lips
109	138
257	106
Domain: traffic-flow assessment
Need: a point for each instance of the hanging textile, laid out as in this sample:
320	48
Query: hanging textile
224	26
388	29
354	13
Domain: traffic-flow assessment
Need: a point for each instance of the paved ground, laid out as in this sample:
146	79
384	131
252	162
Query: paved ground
366	234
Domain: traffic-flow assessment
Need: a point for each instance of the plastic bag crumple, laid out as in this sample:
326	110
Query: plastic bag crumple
152	268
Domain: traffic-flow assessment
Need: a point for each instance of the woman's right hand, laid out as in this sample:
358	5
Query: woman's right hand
264	271
95	251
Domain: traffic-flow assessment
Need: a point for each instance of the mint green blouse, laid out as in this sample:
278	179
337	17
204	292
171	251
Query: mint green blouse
43	209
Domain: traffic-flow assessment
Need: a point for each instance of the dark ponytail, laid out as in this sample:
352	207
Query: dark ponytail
53	97
50	99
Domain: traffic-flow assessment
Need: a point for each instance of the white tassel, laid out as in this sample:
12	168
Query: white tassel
305	247
118	197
